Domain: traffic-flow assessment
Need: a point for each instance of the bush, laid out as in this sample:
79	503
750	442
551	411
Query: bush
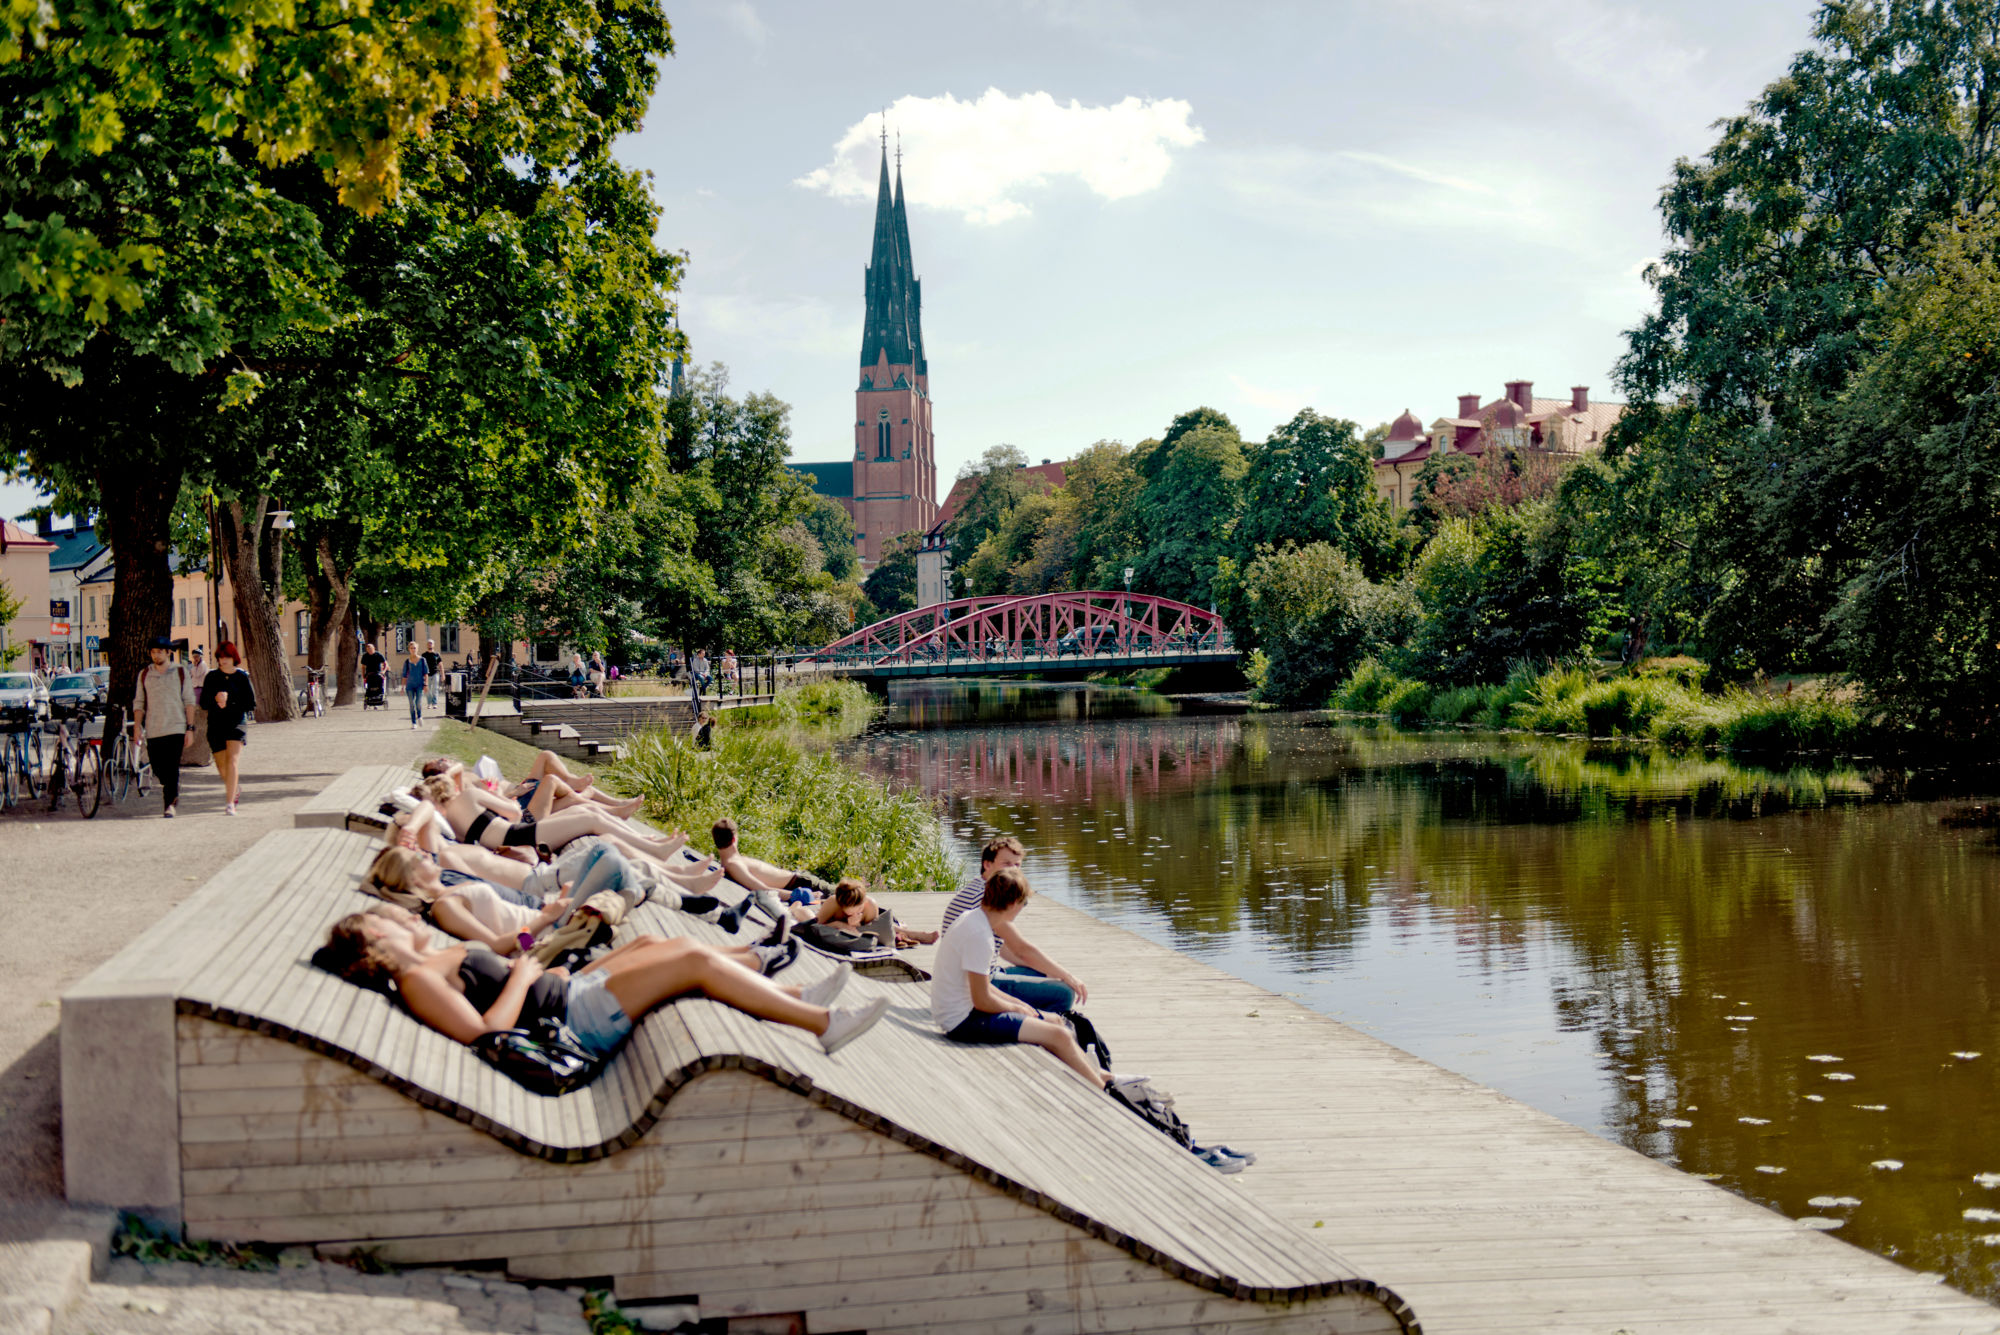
1460	704
1553	702
1804	721
1408	704
837	703
1364	691
803	809
1315	616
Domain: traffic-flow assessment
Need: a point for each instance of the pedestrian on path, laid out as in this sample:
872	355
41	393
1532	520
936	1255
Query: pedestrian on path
434	661
415	673
229	700
698	677
163	713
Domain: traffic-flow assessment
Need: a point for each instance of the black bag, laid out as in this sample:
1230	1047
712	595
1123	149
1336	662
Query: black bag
547	1061
1088	1038
1155	1108
829	939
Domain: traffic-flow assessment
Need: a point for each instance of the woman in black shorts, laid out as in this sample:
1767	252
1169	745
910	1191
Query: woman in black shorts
229	700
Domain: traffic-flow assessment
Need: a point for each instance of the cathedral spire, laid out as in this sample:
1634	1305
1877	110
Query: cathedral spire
884	328
912	290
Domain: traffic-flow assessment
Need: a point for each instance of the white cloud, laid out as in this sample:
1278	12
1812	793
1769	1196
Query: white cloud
979	158
743	17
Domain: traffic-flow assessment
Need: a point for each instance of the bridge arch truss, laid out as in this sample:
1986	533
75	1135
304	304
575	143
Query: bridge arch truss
1093	623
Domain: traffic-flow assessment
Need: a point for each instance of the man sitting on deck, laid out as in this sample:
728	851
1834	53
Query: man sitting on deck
965	1002
1029	974
756	874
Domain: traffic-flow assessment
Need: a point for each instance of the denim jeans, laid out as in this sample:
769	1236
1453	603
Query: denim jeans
1038	990
416	705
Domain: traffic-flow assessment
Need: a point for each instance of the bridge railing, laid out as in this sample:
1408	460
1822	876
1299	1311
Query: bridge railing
1001	652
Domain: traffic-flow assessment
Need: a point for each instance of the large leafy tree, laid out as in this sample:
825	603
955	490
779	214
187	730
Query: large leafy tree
1781	240
1314	481
1188	509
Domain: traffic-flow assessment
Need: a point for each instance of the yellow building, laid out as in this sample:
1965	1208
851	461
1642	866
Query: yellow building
1565	429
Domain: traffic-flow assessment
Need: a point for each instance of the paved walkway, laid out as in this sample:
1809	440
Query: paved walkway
1483	1213
75	891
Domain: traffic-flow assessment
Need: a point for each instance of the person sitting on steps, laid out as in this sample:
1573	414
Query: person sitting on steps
966	1005
1020	968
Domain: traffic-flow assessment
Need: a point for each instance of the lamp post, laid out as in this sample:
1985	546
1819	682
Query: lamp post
1125	605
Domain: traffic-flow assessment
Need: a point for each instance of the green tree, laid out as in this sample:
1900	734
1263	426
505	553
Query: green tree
1189	507
833	529
891	587
10	607
1314	481
1001	563
1316	616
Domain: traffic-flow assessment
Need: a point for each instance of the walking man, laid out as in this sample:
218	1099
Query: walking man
163	714
434	662
415	673
698	677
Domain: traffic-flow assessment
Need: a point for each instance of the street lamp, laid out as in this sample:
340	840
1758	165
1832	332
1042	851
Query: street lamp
1125	606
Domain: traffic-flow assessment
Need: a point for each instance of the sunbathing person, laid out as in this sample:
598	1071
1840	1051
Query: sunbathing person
1021	969
756	874
964	1001
549	787
473	823
465	992
851	906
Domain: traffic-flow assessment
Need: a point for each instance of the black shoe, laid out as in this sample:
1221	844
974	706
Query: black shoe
780	934
776	959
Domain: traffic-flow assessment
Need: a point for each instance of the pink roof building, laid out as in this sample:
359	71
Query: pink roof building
1567	428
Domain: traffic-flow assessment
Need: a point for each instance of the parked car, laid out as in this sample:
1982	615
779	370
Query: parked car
102	676
72	689
23	692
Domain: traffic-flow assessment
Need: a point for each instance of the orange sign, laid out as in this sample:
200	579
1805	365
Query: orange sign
60	628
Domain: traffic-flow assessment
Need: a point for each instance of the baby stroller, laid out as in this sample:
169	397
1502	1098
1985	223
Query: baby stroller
374	691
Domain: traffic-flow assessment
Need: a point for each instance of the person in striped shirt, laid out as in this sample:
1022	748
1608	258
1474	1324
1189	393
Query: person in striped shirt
1020	968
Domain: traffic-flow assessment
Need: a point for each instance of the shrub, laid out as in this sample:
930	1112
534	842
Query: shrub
1364	691
804	809
1408	703
1553	702
1460	704
1804	721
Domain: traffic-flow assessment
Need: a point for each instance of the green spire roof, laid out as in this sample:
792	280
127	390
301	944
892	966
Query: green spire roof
892	323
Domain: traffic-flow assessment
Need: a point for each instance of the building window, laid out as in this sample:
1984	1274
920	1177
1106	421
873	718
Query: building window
305	630
93	607
199	612
448	639
181	612
882	447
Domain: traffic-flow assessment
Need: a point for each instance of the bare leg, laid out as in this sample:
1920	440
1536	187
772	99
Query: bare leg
562	826
483	863
646	978
1058	1039
232	777
549	764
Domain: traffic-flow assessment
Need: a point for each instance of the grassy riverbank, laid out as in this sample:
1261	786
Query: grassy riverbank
1663	701
795	803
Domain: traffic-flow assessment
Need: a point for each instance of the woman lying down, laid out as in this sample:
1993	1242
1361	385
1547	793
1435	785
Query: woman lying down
465	992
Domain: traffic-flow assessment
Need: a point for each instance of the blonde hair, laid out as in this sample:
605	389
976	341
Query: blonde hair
436	790
391	879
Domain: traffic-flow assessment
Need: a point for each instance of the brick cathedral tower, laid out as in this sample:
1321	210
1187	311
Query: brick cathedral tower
895	459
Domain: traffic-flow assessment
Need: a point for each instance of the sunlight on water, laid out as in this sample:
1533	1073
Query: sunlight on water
1670	951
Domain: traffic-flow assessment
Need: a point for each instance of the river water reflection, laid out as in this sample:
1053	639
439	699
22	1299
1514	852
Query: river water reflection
1787	981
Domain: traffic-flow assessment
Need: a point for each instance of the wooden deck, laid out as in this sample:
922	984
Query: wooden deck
350	802
212	1076
1484	1214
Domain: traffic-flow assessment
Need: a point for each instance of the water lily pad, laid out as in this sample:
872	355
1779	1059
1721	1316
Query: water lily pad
1754	1121
1706	1177
1822	1057
1767	1168
1979	1215
1821	1222
1990	1239
1675	1122
1741	1019
1815	1098
1872	1107
1886	1165
1840	1075
1966	1056
1636	1079
1987	1180
1834	1202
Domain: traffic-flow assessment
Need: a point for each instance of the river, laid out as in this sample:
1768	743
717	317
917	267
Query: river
1784	981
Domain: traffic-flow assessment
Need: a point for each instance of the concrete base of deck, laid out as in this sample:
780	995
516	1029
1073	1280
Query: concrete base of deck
1484	1214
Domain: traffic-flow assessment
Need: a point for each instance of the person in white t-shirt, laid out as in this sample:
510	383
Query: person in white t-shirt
970	1009
1021	969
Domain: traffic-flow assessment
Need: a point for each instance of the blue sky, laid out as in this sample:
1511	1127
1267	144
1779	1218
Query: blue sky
1122	210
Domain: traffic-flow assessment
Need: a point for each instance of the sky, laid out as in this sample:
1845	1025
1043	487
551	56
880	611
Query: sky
1122	210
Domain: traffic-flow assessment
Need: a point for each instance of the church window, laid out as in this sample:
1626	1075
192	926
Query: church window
882	446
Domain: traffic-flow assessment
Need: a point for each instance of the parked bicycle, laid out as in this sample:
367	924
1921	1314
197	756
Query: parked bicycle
77	767
20	757
127	767
312	696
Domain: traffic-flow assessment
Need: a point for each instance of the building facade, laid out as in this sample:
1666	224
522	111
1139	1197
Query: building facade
1565	429
889	485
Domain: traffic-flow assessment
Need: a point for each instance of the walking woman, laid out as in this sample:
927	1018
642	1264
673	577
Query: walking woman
226	695
163	714
415	673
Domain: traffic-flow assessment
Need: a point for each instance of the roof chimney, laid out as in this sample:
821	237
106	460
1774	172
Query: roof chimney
1579	398
1468	406
1522	393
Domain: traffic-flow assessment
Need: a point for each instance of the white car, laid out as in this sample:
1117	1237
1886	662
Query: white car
23	691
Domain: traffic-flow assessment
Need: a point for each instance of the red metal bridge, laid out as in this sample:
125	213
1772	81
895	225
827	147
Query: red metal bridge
1049	633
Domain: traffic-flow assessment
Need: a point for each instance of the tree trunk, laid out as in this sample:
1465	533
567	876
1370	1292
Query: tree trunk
255	556
332	604
349	653
137	520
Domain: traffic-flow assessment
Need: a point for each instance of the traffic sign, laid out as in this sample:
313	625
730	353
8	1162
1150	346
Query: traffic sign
59	608
60	628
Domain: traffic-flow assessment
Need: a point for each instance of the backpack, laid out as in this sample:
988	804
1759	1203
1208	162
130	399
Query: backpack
1155	1107
1090	1040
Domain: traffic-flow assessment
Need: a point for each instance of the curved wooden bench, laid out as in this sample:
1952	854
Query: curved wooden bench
351	801
905	1183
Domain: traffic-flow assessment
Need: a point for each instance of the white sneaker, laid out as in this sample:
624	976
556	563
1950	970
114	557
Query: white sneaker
826	989
850	1023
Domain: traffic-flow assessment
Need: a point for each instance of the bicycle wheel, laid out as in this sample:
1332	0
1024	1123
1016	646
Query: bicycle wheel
58	778
89	781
